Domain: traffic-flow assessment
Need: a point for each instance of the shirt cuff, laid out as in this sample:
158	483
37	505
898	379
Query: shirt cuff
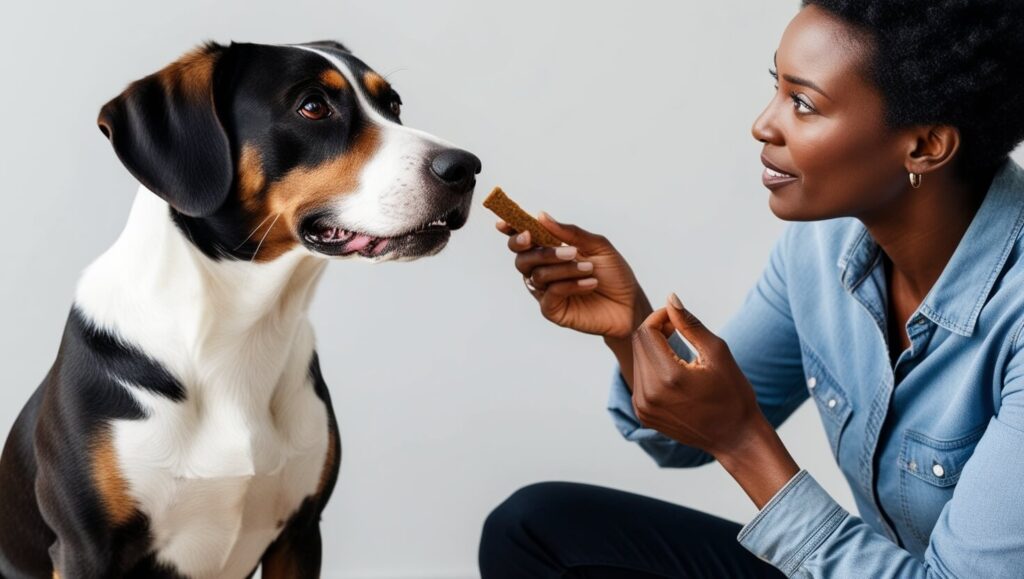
794	523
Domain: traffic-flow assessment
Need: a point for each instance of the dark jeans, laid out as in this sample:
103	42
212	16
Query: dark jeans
558	529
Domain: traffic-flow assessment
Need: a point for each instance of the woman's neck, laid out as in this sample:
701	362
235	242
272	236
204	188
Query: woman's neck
920	231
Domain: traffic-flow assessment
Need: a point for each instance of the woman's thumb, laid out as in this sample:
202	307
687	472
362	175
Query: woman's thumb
572	234
695	332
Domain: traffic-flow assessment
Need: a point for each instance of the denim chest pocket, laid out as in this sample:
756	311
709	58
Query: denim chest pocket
833	403
929	471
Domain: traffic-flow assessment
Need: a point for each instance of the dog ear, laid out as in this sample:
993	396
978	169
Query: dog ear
166	131
328	44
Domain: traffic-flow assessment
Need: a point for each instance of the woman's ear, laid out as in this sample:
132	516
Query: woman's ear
166	131
932	148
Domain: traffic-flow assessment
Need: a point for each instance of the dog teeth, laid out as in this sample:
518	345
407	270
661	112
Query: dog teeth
333	235
440	222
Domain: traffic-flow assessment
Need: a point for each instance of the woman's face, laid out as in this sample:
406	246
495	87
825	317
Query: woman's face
825	127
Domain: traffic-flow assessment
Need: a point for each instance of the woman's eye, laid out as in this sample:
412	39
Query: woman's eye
800	104
314	108
396	108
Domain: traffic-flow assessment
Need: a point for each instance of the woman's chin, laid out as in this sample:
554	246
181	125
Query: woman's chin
787	207
782	207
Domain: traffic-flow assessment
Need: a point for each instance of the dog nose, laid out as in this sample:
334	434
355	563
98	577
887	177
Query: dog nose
455	167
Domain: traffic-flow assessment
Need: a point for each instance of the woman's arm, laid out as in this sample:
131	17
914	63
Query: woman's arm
800	529
804	532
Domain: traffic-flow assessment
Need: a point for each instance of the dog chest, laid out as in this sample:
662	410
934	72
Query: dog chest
219	474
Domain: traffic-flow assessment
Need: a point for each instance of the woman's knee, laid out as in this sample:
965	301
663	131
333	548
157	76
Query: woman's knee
524	508
513	529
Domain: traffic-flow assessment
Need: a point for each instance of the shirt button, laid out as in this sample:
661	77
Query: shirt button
938	471
832	403
913	466
812	382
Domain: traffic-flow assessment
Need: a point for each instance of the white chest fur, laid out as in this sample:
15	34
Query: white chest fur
218	473
218	476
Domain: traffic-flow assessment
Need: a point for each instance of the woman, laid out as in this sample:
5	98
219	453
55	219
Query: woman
903	320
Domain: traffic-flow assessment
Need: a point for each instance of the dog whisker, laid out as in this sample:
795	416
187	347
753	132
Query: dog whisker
264	237
253	231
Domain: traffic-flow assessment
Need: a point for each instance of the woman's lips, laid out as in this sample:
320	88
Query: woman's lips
773	177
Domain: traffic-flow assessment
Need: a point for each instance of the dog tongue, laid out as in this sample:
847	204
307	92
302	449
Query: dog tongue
358	243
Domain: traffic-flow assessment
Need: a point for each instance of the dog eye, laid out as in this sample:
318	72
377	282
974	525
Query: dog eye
314	108
396	108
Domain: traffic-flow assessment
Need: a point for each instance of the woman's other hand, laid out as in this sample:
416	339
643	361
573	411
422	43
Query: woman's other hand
708	403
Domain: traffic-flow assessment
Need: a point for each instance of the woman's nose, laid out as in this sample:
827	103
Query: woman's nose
764	129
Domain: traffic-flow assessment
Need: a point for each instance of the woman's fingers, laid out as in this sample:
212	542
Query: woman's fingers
572	235
575	235
691	328
519	242
528	260
504	227
559	291
545	275
650	341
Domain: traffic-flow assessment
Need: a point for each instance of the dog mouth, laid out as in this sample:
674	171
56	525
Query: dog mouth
323	234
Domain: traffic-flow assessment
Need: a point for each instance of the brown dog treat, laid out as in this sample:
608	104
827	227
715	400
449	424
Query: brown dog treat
518	219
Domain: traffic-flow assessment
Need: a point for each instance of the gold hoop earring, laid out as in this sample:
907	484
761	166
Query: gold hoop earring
915	180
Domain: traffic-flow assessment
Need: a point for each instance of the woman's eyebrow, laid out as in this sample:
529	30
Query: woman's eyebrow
800	81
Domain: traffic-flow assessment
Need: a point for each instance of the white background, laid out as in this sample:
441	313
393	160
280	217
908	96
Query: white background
631	120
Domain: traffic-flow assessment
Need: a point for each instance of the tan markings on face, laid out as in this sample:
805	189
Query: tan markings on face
278	211
110	483
250	176
56	575
329	462
375	83
333	79
192	73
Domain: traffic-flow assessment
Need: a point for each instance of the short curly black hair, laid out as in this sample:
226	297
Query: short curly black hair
950	62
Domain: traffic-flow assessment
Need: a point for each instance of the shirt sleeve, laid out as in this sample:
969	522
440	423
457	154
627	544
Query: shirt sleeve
805	533
762	337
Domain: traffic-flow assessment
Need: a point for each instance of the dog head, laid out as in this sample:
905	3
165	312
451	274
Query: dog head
261	149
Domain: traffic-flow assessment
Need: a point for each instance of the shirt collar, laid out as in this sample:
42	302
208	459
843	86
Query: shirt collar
956	299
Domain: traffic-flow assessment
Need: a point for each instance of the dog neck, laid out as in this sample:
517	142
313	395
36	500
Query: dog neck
156	290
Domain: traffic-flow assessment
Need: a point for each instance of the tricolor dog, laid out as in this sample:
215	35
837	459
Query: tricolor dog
185	429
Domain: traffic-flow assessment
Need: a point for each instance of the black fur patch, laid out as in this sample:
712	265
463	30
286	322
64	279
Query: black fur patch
320	388
125	361
77	398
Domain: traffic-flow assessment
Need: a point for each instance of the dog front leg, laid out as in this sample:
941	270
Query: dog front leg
79	563
99	532
296	552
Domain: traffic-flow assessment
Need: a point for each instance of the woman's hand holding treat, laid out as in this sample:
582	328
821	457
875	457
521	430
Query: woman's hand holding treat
585	285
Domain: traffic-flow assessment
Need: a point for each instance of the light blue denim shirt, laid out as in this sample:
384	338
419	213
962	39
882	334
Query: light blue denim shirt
932	448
